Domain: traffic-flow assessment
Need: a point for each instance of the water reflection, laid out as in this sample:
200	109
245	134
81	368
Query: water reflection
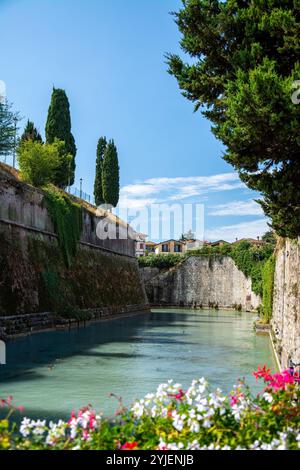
55	372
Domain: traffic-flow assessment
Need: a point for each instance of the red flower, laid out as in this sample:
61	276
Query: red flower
129	446
262	372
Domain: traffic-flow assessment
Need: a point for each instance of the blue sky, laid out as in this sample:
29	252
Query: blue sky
109	57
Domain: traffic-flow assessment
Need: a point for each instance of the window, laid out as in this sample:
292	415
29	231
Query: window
177	248
142	246
165	248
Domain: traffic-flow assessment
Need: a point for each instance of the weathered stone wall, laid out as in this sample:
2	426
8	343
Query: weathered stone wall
23	205
33	275
286	307
35	322
201	281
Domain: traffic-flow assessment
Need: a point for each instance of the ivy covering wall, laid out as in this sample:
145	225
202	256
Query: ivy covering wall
268	273
256	262
34	277
67	219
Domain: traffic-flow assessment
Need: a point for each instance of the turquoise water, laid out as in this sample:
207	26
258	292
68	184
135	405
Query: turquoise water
53	373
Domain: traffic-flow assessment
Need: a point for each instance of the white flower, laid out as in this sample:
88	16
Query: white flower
56	431
178	421
236	411
38	427
193	445
268	397
266	447
201	408
25	428
194	426
206	423
138	409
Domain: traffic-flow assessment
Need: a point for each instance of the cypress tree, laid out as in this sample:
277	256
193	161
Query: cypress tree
31	133
58	127
110	175
98	190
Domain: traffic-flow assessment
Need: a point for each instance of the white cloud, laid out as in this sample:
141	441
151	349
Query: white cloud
243	230
243	208
157	190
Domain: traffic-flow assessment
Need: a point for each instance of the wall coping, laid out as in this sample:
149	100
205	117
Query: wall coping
54	235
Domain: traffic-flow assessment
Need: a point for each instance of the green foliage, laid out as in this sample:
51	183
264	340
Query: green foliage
110	175
268	288
208	250
98	190
67	219
269	237
7	128
245	59
162	261
31	133
39	162
52	284
58	126
250	260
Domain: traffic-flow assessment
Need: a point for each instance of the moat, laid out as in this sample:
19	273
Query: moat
53	373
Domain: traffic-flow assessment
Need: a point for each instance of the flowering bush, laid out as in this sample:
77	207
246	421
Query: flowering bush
173	418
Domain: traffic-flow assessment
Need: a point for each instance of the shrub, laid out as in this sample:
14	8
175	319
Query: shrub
162	261
39	162
172	419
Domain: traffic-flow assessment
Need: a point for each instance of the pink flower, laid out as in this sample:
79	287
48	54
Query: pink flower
180	394
277	381
234	399
85	434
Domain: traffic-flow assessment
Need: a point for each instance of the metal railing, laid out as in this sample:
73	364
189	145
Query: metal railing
81	194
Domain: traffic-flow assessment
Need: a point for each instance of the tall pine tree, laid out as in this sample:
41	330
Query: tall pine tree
110	175
98	190
31	133
58	127
243	75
